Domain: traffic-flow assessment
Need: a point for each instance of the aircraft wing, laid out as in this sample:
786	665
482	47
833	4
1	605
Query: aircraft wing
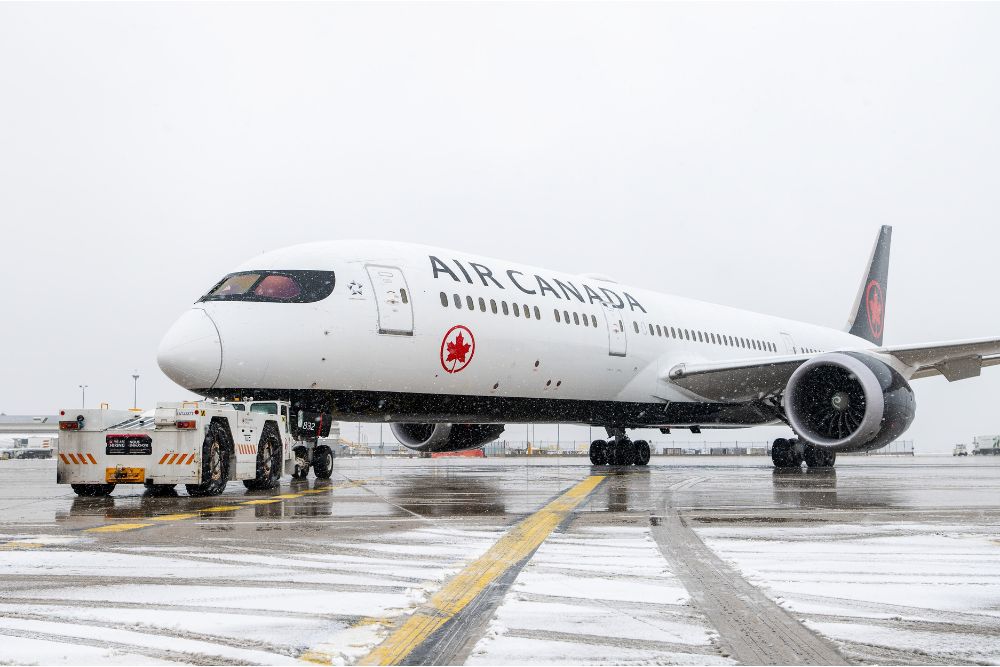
751	379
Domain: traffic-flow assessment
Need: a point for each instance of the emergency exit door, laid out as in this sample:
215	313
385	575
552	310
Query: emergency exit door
392	296
617	338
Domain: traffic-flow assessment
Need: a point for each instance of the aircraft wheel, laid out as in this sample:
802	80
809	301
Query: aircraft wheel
214	465
817	457
642	453
598	452
93	490
783	454
322	462
626	452
301	470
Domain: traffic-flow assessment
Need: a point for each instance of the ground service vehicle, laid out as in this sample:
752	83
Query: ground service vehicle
200	444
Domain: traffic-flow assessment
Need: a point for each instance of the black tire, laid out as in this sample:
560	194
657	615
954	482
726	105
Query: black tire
268	462
93	490
214	464
598	452
322	462
626	452
611	453
160	489
642	453
783	454
817	457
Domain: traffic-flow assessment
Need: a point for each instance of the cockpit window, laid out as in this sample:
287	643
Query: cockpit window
273	286
238	283
277	287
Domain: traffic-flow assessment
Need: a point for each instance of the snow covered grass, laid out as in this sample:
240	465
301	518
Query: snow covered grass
597	596
921	589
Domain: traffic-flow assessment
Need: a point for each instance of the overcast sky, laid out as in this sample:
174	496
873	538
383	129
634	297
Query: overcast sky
737	153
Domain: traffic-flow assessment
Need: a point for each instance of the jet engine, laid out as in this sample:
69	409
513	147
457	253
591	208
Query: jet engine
847	401
445	437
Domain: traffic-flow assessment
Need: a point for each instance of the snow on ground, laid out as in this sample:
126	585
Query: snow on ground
893	590
597	596
82	601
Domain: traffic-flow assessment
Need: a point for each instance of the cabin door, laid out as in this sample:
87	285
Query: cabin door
617	339
789	343
392	295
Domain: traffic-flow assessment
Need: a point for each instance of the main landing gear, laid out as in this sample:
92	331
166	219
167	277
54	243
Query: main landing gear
620	451
792	453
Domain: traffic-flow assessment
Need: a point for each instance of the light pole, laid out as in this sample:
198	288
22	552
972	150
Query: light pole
83	400
135	389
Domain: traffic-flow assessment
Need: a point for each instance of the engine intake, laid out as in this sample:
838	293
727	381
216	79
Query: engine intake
445	437
847	401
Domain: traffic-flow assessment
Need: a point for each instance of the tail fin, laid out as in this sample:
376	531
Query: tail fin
868	318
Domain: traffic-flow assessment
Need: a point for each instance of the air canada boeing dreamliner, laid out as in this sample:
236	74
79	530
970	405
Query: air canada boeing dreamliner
448	347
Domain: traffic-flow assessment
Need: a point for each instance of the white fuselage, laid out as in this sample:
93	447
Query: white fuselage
383	331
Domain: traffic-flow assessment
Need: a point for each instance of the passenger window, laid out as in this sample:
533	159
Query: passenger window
699	338
566	316
538	313
444	299
576	319
482	304
493	306
470	303
503	305
458	302
593	318
650	329
659	332
402	295
517	310
636	325
526	310
556	312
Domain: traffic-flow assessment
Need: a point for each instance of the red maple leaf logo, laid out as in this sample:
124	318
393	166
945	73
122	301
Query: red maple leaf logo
458	349
457	353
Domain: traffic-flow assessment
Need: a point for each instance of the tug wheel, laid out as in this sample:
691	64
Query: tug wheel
93	490
214	465
322	462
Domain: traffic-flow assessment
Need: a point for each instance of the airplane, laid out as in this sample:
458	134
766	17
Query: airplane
448	347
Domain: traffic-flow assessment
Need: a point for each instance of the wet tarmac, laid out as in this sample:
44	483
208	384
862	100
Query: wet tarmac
692	560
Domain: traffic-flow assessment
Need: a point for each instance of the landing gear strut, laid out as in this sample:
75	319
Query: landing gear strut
620	451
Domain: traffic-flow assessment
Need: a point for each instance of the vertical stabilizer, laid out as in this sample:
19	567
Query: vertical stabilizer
868	316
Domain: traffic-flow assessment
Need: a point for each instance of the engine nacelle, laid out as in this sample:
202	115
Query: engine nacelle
445	437
847	401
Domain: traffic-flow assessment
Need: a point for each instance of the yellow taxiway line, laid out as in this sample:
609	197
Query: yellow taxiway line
121	527
516	545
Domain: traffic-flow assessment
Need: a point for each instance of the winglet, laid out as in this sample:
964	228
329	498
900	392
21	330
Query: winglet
868	318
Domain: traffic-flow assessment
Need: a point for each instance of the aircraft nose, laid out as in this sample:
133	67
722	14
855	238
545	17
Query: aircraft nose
190	353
